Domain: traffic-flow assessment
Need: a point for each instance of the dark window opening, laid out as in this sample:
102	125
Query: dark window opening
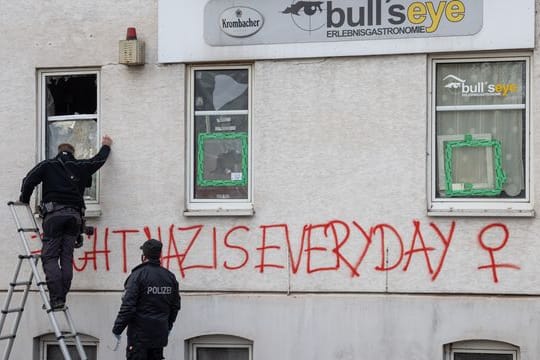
54	352
478	356
222	353
73	94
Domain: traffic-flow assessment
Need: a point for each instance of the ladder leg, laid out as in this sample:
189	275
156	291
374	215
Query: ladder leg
64	349
9	295
7	351
78	344
18	317
6	309
33	260
58	334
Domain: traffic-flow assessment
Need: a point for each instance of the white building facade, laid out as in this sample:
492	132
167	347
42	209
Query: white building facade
345	179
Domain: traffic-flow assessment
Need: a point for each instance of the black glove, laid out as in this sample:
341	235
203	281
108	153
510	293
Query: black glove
79	242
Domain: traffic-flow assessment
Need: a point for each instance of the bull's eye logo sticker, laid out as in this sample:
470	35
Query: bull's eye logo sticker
453	82
307	15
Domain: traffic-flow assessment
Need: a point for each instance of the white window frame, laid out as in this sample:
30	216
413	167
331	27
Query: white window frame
523	207
50	340
481	347
93	208
219	341
215	207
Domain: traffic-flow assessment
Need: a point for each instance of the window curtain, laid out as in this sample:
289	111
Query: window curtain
471	99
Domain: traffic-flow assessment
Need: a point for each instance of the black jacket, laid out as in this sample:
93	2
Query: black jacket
56	185
149	306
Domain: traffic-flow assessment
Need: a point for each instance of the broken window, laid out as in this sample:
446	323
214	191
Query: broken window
70	108
220	138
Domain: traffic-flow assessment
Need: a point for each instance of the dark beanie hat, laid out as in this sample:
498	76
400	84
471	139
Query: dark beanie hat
152	249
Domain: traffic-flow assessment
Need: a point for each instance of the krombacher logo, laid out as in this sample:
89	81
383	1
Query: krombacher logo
240	21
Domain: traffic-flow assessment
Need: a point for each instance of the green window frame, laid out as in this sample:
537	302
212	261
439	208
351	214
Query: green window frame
241	180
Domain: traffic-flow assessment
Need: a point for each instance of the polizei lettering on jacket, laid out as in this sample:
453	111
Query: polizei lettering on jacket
159	290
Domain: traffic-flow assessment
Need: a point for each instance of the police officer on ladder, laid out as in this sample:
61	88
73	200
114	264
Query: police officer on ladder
63	179
149	306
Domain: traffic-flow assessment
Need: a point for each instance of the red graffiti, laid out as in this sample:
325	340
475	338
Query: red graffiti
385	248
241	249
124	234
263	254
493	265
92	255
181	257
335	246
341	254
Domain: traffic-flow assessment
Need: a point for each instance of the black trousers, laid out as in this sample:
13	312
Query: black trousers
60	230
141	352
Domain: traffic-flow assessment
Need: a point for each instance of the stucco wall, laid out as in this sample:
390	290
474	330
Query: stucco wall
340	327
338	144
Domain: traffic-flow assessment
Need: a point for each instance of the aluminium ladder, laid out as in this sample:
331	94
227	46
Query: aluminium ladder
33	260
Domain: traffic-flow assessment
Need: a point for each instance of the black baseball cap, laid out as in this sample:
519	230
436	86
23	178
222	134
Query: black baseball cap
152	249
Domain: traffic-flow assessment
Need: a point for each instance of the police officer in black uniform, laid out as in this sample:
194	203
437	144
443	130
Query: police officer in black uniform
63	179
149	306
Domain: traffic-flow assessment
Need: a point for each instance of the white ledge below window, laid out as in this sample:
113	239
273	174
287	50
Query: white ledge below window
92	210
508	212
220	212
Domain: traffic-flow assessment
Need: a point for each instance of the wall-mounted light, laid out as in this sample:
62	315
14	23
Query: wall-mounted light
131	50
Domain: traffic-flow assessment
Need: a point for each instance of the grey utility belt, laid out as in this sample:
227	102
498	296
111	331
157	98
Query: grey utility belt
50	207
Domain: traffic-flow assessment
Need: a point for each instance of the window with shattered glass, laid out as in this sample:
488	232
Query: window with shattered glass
220	136
70	108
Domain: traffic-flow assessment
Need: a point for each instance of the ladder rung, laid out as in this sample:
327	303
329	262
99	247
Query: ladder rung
13	284
41	283
31	256
17	203
27	230
56	309
5	337
19	309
